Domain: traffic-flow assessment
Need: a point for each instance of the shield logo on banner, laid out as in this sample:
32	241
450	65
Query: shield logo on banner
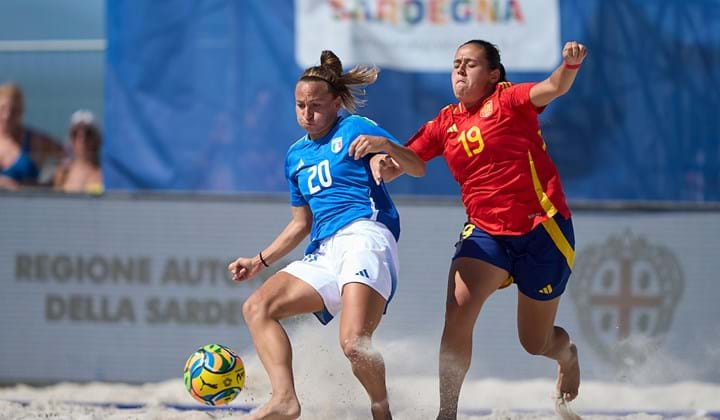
336	144
626	292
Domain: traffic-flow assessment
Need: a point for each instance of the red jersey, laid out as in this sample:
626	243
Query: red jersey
495	152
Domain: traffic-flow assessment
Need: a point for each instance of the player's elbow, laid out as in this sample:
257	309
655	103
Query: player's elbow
546	91
301	225
303	228
412	165
417	170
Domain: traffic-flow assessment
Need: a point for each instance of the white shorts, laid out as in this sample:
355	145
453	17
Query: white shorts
364	251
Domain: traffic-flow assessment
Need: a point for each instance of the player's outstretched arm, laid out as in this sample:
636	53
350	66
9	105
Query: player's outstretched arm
562	78
296	230
406	159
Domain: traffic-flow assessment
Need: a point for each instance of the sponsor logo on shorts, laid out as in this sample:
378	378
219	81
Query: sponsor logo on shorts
363	273
546	290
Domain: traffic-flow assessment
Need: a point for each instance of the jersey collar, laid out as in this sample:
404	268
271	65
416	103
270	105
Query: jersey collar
473	109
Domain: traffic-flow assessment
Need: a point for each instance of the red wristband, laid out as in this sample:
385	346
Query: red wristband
572	66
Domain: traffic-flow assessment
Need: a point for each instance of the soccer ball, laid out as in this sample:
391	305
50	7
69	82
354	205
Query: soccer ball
214	375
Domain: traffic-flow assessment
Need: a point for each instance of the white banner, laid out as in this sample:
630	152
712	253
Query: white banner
422	35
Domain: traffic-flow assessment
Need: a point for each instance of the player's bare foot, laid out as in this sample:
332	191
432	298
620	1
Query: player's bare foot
381	410
569	376
446	415
564	411
277	410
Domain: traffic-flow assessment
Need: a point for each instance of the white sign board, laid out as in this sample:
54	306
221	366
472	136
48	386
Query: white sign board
123	288
422	35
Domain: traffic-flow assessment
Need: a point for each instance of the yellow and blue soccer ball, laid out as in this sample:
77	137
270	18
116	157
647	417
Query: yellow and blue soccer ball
214	375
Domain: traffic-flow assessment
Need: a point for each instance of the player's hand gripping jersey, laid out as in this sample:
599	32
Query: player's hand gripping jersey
496	153
338	188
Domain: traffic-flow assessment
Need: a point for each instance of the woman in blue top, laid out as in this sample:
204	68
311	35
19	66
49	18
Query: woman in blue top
351	261
23	152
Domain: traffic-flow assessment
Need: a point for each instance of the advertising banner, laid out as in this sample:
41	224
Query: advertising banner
125	288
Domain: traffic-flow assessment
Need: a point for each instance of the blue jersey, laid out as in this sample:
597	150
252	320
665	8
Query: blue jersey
338	188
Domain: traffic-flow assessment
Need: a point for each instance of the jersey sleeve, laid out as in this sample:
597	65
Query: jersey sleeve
427	141
519	97
296	197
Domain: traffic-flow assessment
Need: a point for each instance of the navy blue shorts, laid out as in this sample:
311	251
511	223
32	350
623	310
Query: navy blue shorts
539	262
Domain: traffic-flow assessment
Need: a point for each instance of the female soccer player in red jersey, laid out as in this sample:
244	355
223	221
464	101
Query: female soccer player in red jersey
519	227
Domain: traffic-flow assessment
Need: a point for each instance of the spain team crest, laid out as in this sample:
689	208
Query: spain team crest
487	109
626	292
336	144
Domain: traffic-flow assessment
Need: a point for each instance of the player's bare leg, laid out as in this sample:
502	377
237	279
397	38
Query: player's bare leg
540	336
470	283
362	310
281	296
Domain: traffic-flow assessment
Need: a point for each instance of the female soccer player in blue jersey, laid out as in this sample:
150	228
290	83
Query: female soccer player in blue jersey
351	261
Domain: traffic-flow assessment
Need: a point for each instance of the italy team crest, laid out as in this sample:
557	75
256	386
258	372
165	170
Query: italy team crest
336	144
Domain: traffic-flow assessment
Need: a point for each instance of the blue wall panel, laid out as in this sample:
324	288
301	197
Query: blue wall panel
200	97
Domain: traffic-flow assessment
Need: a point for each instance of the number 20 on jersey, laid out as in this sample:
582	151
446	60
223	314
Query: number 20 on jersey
319	177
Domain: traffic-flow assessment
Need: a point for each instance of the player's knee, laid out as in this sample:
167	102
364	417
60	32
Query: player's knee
355	346
535	345
255	308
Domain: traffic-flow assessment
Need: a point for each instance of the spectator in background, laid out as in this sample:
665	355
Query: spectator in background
25	154
81	172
